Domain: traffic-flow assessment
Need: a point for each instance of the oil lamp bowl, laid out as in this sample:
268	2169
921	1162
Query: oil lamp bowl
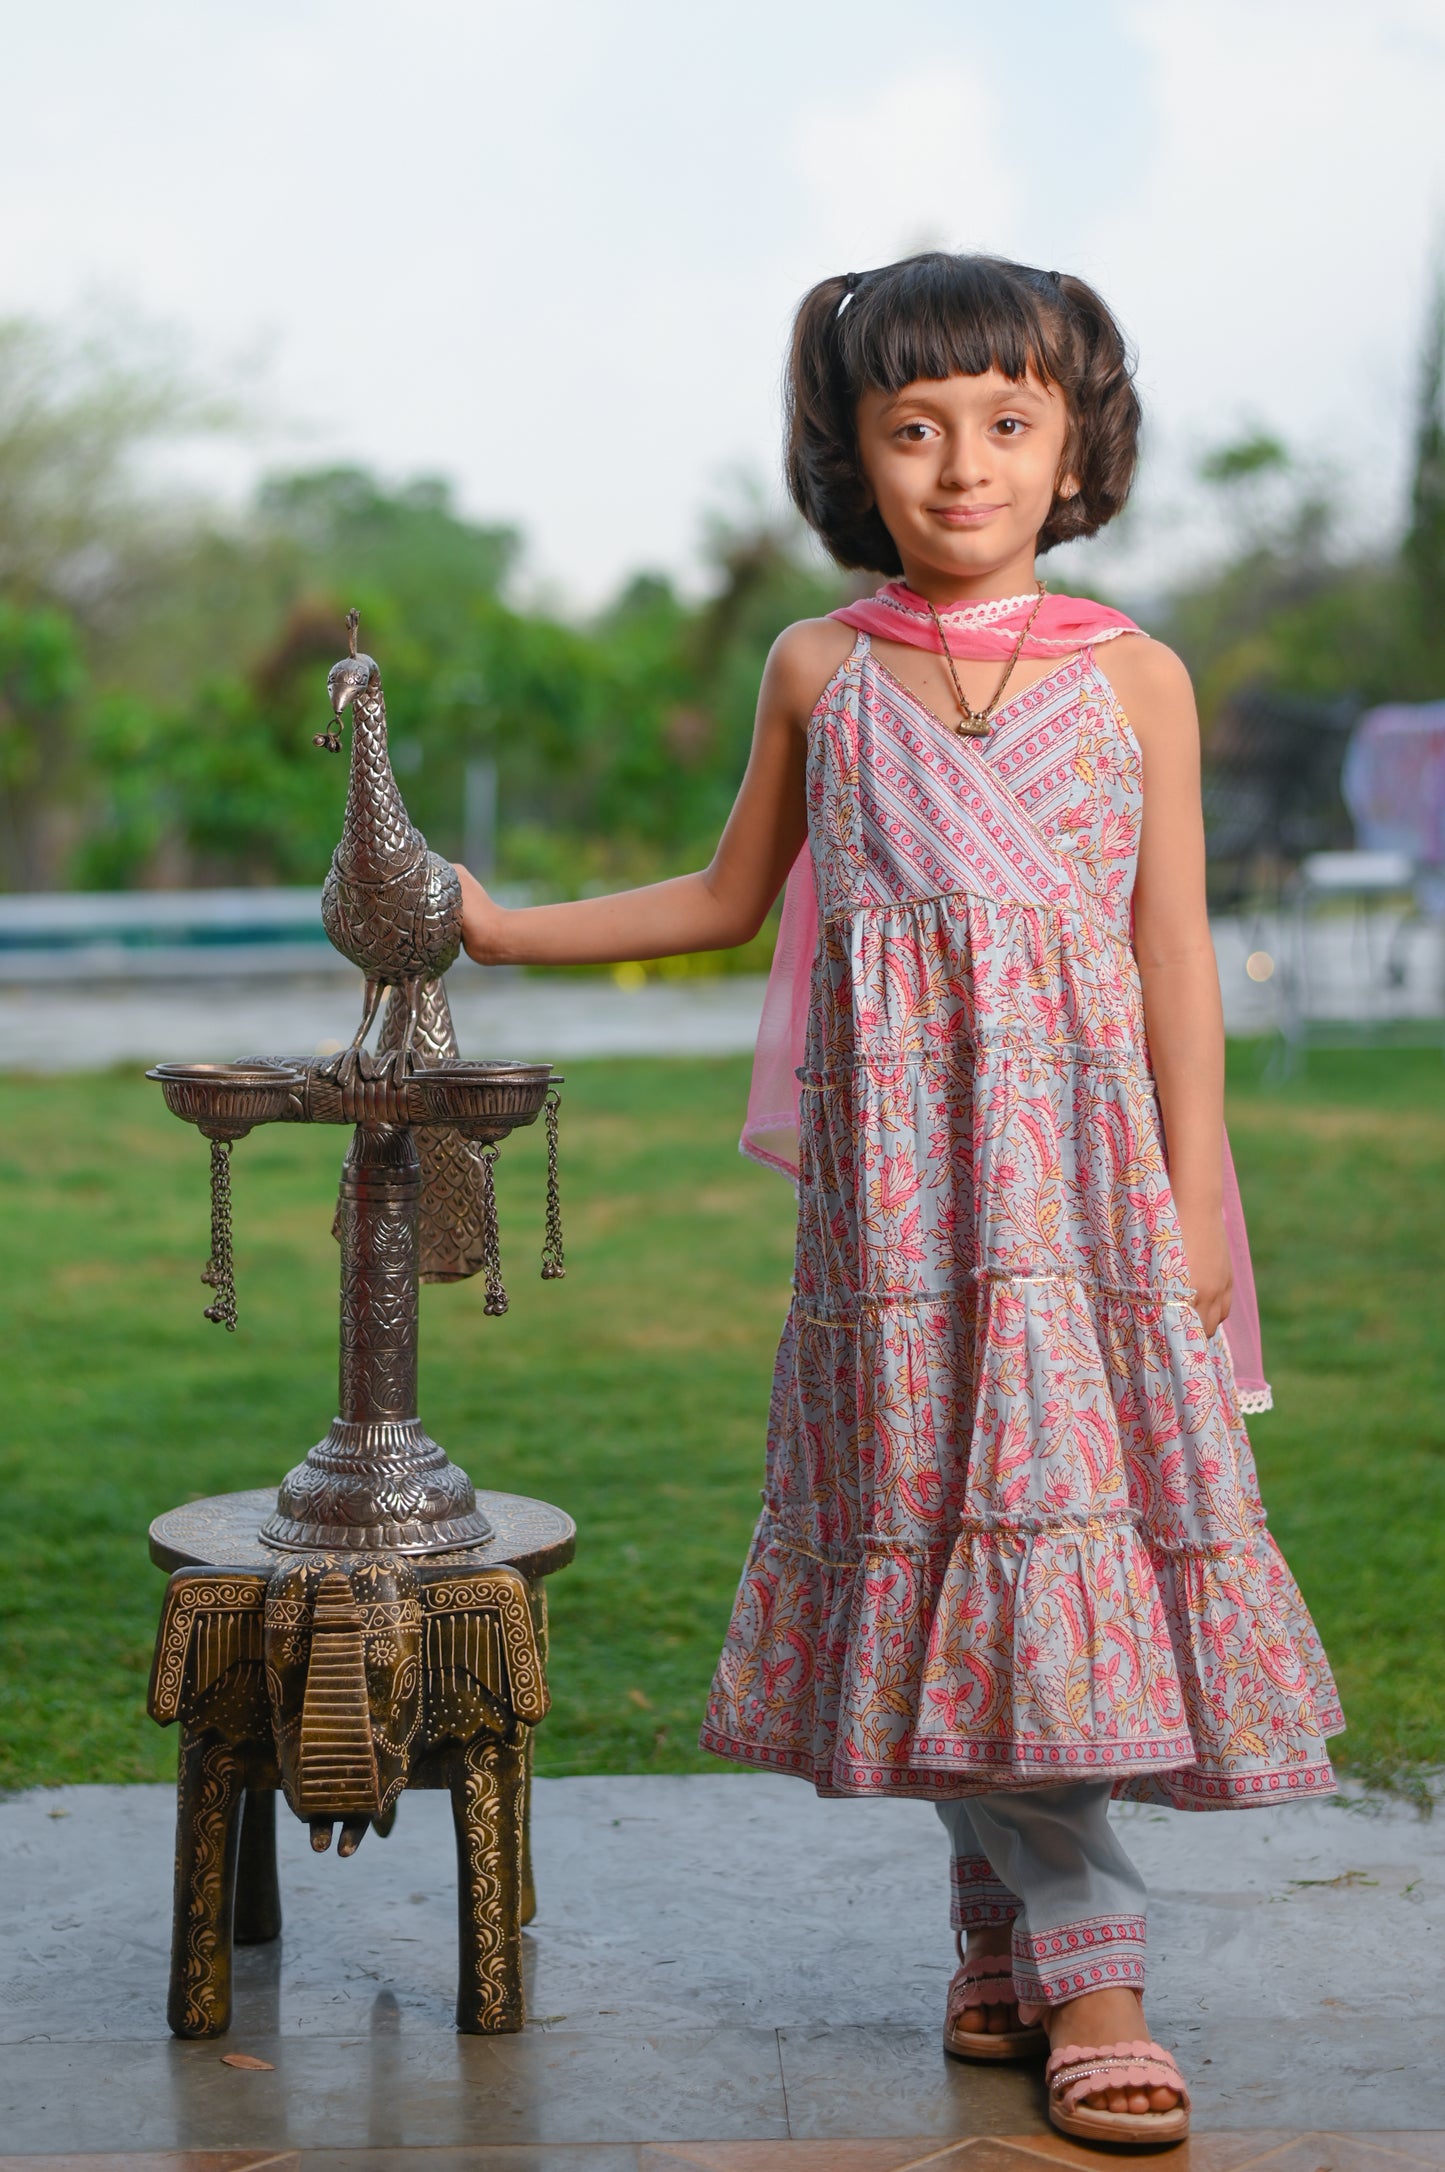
224	1100
483	1101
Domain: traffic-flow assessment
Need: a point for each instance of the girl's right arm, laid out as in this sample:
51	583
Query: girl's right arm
727	901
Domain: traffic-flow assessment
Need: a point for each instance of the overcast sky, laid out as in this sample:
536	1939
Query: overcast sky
552	249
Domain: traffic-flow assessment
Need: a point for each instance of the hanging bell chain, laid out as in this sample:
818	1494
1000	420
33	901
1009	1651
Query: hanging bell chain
554	1265
220	1272
496	1303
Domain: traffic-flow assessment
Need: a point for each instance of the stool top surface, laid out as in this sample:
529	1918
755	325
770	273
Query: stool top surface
223	1532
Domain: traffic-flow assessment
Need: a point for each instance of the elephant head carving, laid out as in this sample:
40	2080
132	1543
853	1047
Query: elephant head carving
343	1648
357	1668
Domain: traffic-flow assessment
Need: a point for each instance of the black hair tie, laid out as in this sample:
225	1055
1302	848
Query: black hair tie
850	288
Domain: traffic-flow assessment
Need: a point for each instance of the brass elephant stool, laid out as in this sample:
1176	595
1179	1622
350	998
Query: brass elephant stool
342	1679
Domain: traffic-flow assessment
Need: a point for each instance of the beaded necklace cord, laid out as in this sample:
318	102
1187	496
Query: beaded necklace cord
974	723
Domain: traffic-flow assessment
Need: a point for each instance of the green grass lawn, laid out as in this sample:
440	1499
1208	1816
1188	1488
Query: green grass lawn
635	1392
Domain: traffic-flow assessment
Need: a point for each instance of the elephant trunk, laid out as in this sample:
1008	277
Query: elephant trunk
337	1765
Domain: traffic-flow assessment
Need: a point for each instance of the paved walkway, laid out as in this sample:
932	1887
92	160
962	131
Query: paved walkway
93	1025
724	1973
497	1014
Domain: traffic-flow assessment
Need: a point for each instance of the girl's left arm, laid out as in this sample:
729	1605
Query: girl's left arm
1183	1015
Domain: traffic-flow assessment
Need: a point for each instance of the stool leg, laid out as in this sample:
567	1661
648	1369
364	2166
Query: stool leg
538	1599
529	1883
208	1802
258	1892
486	1788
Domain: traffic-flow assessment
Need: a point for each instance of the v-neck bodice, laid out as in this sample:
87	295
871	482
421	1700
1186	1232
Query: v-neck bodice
1046	809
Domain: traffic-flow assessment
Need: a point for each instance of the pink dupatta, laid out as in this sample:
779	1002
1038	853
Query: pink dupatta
770	1132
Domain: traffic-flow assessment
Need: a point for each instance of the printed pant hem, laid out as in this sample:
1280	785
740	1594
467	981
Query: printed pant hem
979	1897
1103	1953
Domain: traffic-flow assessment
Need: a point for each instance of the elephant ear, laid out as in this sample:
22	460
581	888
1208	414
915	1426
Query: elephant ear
210	1625
483	1660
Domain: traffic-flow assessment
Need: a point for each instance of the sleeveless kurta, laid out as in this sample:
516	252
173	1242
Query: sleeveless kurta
1011	1531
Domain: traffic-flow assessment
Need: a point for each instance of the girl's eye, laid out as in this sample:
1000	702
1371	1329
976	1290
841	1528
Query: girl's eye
914	433
1011	425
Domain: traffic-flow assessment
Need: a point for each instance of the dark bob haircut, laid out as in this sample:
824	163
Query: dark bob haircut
932	316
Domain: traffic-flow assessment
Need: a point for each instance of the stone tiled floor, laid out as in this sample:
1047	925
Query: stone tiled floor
715	1956
1264	2150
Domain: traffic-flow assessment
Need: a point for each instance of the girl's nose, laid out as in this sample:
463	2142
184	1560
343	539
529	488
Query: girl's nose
965	463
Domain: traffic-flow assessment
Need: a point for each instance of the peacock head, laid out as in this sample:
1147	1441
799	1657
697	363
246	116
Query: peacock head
352	676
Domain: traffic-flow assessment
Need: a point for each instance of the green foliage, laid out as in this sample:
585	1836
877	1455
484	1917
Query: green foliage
635	1392
1288	609
231	776
1258	454
42	677
178	747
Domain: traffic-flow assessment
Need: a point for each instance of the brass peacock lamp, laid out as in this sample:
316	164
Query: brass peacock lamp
417	1201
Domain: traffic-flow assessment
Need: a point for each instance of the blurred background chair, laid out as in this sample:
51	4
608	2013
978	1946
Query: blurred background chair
1359	960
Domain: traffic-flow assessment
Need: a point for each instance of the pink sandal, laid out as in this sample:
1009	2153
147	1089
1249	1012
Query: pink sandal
1078	2070
987	1981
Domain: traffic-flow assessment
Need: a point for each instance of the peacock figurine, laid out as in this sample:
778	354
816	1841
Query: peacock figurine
395	910
390	905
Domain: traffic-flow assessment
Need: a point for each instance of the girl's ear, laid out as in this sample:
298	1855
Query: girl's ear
1068	486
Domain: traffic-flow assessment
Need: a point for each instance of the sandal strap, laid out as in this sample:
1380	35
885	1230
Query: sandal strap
987	1981
1079	2070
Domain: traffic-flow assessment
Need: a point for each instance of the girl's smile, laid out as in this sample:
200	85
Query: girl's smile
963	470
964	516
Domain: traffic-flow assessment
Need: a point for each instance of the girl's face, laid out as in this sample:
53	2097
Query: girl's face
963	471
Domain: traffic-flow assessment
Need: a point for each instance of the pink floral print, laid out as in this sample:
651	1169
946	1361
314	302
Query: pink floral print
1011	1530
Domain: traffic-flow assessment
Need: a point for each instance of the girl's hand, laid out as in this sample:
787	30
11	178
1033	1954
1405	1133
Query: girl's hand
1206	1249
481	921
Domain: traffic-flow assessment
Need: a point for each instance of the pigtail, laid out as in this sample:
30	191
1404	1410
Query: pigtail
1103	444
820	461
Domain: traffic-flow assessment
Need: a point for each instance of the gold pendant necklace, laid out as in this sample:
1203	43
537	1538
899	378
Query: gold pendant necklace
974	723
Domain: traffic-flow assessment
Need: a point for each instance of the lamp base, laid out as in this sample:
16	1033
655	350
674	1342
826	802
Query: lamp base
383	1486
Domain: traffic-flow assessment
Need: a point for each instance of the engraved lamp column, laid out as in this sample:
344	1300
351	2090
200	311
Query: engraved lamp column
378	1479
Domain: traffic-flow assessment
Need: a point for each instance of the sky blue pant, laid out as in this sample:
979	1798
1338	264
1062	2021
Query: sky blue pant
1047	1860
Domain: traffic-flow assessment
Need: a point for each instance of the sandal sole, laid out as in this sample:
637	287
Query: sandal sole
985	2050
1136	2130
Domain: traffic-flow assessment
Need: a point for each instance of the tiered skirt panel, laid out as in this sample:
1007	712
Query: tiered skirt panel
1011	1530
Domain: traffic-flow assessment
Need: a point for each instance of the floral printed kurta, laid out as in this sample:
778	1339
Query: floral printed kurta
1011	1530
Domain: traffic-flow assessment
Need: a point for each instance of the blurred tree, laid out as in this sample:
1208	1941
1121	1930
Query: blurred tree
177	736
41	680
78	526
1424	548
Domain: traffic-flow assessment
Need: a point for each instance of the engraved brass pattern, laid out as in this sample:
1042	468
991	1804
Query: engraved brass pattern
487	1807
451	1172
533	1536
383	1627
338	1757
229	1608
500	1595
207	1833
378	1479
344	1679
417	1200
388	904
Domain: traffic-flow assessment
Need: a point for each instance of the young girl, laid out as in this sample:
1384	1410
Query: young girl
1012	1555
